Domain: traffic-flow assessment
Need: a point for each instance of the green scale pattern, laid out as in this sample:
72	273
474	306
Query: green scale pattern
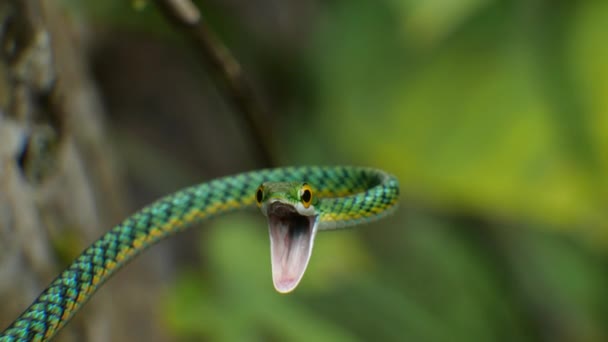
365	194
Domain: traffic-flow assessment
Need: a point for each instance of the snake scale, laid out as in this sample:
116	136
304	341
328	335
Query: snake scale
343	196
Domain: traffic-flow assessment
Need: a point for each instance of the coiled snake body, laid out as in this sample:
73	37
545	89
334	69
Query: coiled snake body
298	202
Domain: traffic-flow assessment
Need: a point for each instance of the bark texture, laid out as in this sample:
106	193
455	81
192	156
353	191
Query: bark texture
59	189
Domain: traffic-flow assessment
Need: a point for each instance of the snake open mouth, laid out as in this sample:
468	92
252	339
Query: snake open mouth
291	239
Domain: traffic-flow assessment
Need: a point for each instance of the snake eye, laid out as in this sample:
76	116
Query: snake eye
259	195
306	195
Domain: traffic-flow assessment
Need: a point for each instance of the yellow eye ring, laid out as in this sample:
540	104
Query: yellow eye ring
259	195
306	195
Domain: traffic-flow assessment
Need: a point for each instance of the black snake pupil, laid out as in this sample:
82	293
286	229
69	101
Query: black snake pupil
259	195
306	195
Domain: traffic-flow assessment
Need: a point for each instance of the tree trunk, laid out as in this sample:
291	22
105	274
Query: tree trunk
59	189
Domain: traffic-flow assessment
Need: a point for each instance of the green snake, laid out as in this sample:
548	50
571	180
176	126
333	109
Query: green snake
297	201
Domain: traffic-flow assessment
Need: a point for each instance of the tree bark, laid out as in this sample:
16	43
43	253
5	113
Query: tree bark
59	189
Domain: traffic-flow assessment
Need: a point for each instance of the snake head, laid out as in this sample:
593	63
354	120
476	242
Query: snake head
292	226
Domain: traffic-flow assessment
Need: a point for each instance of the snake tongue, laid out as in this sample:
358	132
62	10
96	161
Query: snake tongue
291	239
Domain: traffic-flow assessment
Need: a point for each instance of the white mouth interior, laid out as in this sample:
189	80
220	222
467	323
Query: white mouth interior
291	239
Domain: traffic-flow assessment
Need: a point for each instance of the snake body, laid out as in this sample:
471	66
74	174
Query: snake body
347	196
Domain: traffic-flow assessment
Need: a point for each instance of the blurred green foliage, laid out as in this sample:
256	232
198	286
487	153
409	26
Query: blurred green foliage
494	116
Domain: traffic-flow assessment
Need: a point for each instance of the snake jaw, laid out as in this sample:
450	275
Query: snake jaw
291	239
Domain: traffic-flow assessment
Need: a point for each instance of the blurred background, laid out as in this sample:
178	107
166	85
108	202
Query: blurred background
492	114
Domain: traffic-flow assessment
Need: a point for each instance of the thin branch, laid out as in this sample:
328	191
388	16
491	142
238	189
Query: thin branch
185	16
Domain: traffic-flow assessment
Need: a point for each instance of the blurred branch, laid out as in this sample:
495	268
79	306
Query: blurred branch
185	16
182	10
